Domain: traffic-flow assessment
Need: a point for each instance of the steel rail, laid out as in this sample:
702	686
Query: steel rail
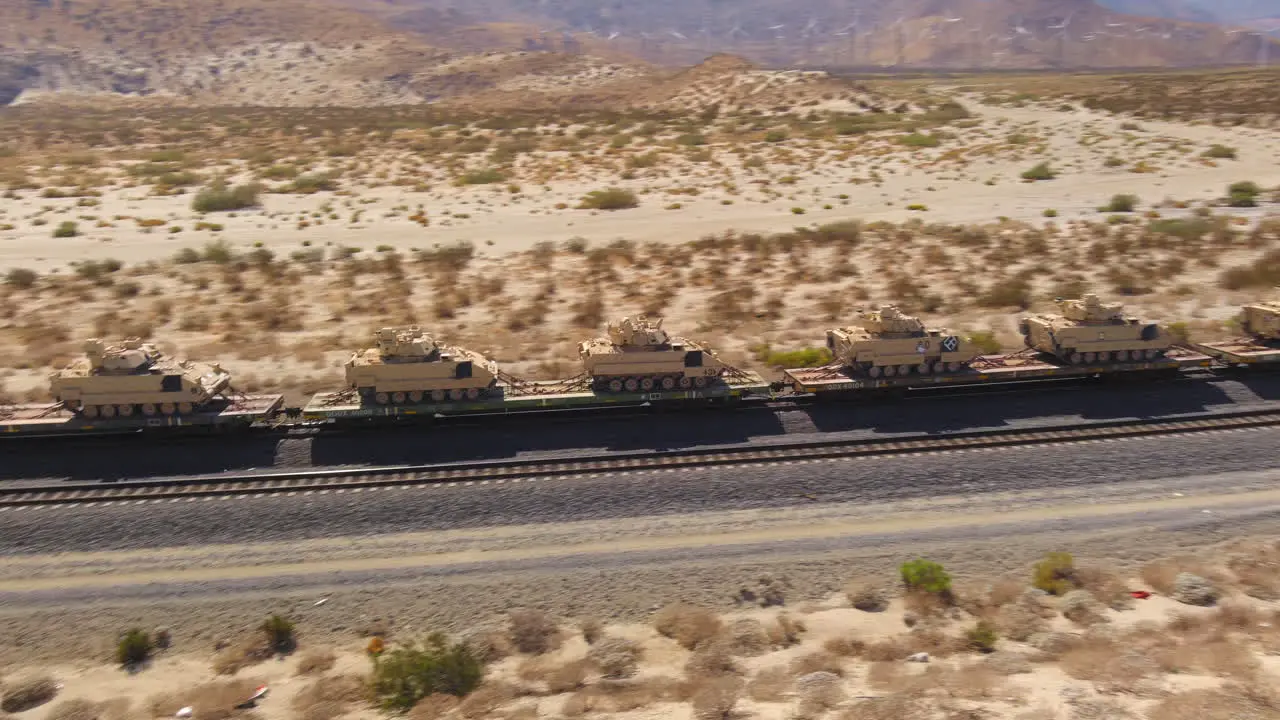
517	470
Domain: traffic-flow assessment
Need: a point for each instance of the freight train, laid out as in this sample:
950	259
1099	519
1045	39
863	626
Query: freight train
407	375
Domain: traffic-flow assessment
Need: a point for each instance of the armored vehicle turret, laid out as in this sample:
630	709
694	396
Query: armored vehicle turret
135	377
407	366
889	343
637	355
1261	320
1090	331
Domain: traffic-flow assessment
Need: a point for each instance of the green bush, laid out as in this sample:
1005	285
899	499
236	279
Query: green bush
186	256
1184	228
217	197
66	229
920	140
21	278
691	140
1243	194
405	675
134	648
805	357
981	637
1113	162
217	251
278	631
1055	574
1220	152
925	575
1050	213
313	183
1121	204
484	176
1040	172
985	341
610	199
774	136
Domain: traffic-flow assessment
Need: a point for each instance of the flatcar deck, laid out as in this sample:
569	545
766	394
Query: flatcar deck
225	413
530	396
1241	351
987	369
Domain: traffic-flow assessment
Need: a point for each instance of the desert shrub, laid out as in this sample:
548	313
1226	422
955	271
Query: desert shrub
78	709
533	632
610	199
327	698
1220	152
316	662
218	700
691	140
483	176
926	576
218	197
819	661
1243	194
615	657
1040	172
1055	573
688	625
278	631
769	685
747	637
867	598
28	692
981	637
134	648
217	251
1050	213
920	140
785	631
1121	204
66	229
433	707
1183	228
592	629
775	136
717	698
21	278
312	183
985	341
711	660
804	357
406	675
1012	292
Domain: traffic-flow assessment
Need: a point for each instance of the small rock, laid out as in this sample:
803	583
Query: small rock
1194	590
920	657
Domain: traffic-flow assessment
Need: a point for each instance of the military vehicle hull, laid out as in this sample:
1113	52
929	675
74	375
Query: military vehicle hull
147	394
1085	344
928	355
643	370
400	383
1261	321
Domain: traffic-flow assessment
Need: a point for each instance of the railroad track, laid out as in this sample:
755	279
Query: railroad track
515	471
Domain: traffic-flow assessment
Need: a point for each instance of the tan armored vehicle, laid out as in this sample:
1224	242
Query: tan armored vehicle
1261	320
890	343
638	355
1089	331
135	377
408	366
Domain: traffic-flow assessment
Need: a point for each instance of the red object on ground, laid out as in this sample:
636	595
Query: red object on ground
1140	594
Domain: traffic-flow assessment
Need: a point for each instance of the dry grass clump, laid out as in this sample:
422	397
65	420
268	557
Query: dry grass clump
433	707
1253	699
533	632
216	700
785	631
717	698
592	629
867	598
709	661
845	646
889	707
689	625
770	684
615	657
1111	666
28	692
1257	570
242	654
1162	575
1024	617
819	692
316	662
747	637
81	709
486	699
818	661
328	697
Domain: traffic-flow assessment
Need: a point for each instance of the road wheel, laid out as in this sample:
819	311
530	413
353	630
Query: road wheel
1122	356
925	368
125	410
456	394
90	411
631	384
646	384
415	396
904	370
615	385
875	371
1152	354
1075	358
473	393
149	409
398	398
185	408
686	382
668	383
700	382
168	408
437	396
108	411
1104	357
381	398
890	370
1090	358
